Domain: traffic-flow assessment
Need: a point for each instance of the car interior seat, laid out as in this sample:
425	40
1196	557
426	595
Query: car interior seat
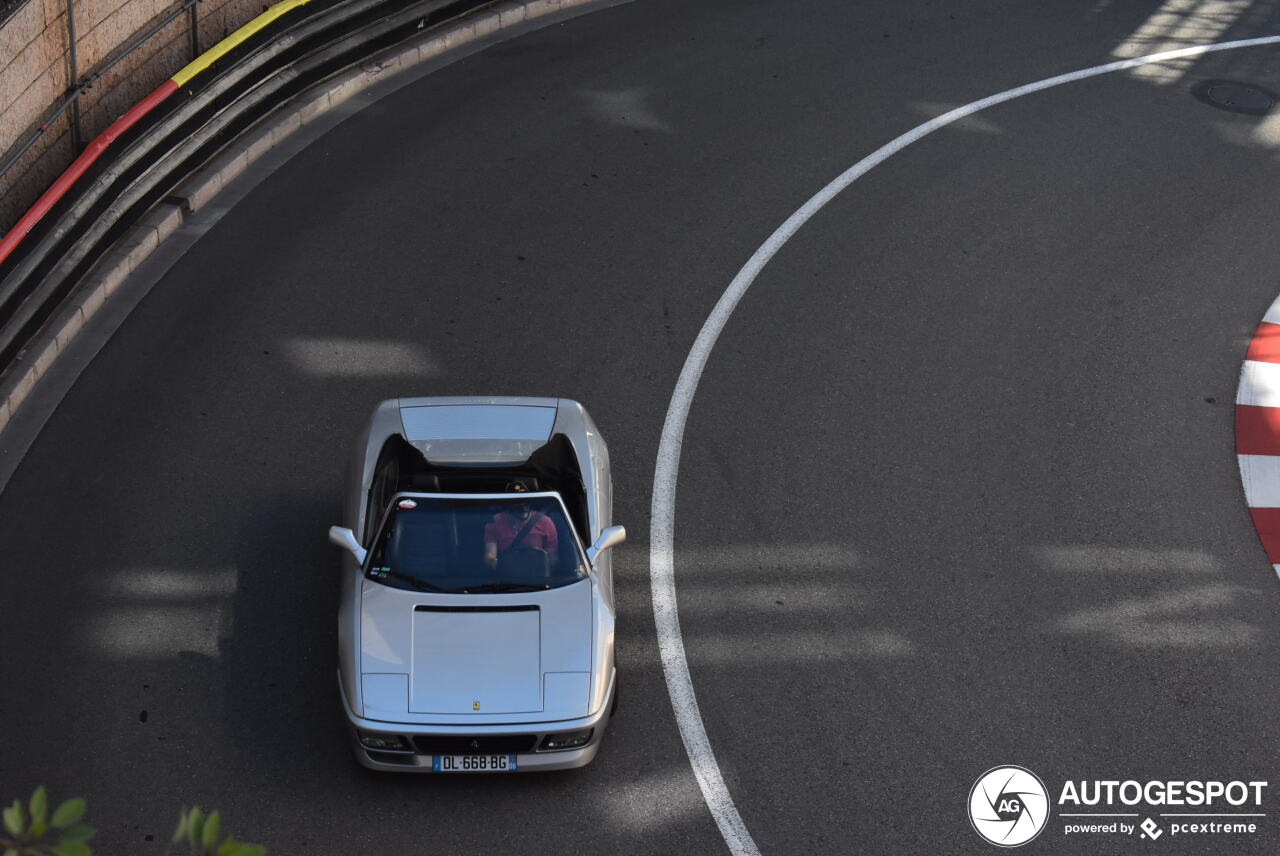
423	482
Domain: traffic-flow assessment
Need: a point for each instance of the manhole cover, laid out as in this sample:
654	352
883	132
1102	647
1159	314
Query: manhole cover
1235	96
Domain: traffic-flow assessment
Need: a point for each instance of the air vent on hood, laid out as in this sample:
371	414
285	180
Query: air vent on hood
422	607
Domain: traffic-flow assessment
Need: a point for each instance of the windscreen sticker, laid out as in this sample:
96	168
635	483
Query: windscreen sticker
406	503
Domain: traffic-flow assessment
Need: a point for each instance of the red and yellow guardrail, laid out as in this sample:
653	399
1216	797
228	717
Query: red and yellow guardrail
183	79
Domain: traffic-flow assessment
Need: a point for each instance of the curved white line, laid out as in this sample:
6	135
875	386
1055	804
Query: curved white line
675	664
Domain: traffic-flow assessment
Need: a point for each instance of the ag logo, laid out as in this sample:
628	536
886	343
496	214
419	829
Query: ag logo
1008	806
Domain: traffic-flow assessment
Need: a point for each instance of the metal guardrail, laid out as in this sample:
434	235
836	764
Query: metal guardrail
142	169
79	86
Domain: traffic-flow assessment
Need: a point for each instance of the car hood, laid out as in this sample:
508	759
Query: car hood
440	658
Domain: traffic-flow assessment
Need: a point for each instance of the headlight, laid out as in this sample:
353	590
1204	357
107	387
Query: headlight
566	740
385	742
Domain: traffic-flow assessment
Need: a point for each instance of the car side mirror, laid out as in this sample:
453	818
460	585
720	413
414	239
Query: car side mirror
344	537
610	537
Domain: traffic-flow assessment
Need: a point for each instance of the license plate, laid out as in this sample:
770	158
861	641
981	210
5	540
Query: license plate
473	763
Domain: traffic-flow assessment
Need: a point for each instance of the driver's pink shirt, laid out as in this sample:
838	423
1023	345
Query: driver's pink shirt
504	528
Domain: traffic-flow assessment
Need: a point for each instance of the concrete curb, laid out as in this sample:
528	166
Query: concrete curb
202	188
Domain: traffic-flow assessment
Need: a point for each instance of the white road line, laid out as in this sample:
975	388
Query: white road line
675	665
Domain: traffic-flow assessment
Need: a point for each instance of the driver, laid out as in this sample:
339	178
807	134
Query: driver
500	534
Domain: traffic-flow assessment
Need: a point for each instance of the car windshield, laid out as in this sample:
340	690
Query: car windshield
475	546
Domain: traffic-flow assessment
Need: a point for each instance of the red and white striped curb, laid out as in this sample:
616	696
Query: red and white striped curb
1258	431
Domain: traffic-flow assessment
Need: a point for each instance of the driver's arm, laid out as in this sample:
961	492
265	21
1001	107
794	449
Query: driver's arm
490	547
551	543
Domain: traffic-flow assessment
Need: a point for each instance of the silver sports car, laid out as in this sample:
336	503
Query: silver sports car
476	627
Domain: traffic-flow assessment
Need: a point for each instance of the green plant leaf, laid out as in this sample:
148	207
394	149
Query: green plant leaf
195	826
15	819
68	814
39	809
245	850
209	837
231	847
180	834
11	852
79	833
39	804
73	848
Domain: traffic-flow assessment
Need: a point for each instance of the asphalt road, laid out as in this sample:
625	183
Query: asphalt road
958	486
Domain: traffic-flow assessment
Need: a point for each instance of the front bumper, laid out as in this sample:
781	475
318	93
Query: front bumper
414	762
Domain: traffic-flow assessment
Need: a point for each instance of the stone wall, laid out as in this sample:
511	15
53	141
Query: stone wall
35	73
